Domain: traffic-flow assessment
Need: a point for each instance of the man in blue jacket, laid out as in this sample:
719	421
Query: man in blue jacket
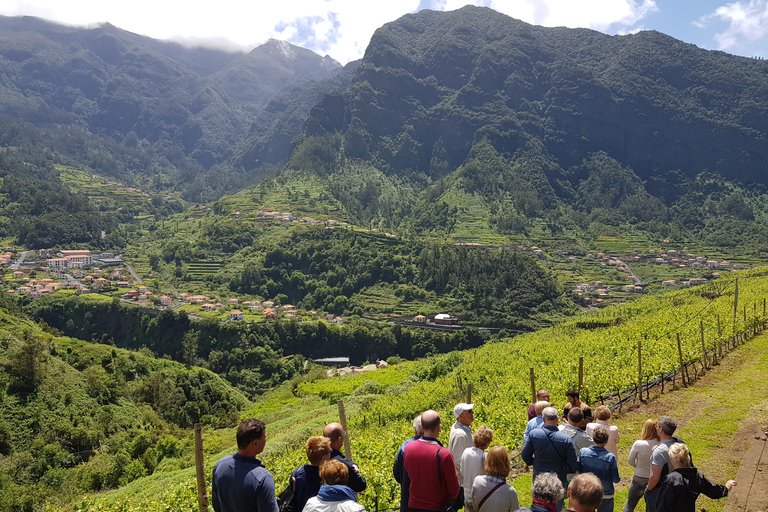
240	482
550	451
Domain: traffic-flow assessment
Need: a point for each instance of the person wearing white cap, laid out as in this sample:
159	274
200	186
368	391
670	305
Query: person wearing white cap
461	436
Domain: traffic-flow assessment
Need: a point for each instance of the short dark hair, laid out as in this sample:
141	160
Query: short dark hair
600	435
586	490
576	415
573	392
248	431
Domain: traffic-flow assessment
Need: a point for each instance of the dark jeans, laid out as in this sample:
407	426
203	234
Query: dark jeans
636	491
650	499
606	505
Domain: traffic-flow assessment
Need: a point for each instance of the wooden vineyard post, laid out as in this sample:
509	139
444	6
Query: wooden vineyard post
533	387
640	370
202	485
735	304
719	337
763	306
581	373
343	421
703	346
469	392
682	367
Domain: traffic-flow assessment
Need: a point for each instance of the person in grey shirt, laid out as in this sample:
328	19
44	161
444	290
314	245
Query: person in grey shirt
578	436
490	492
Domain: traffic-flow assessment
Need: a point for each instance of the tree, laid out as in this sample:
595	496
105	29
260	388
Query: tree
26	363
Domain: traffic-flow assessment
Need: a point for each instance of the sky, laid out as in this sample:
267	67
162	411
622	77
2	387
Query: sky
343	28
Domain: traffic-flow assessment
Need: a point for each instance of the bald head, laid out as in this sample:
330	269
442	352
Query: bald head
430	422
334	432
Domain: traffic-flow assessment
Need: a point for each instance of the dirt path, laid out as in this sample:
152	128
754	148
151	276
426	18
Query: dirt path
723	418
751	495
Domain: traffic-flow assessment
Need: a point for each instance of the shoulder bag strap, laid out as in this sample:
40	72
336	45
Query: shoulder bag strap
439	469
489	495
546	433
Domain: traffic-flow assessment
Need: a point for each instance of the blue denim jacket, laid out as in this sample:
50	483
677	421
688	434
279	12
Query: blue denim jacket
550	451
602	463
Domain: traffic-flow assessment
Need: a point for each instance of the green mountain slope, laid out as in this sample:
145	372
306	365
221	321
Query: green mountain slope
78	416
131	106
544	131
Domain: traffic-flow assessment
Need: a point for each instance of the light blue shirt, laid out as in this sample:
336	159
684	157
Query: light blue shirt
532	424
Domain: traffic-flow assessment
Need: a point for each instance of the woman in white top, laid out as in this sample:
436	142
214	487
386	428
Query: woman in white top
334	495
473	462
490	492
603	414
640	459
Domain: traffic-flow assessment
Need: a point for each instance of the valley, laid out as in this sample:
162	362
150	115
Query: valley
187	231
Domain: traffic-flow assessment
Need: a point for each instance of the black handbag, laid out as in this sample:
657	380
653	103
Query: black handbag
285	498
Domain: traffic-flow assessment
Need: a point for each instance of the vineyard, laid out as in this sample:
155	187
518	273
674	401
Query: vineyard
709	320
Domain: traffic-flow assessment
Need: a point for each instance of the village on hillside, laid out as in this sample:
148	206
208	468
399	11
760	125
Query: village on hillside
46	271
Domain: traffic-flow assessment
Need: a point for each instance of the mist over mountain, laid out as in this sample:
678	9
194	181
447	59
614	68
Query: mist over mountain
184	108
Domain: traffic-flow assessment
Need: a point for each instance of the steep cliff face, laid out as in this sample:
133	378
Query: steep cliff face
434	84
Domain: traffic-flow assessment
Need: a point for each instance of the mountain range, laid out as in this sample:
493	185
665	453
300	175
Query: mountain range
547	128
179	106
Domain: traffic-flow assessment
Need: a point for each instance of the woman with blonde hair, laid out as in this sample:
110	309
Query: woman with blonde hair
640	459
473	462
490	492
603	414
680	488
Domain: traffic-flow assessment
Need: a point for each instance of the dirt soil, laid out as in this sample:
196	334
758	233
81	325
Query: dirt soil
746	448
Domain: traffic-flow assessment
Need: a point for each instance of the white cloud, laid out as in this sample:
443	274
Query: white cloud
340	28
747	22
596	14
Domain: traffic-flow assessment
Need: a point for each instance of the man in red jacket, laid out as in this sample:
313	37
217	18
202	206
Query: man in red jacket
431	467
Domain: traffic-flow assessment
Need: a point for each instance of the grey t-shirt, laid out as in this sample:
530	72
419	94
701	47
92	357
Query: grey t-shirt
660	456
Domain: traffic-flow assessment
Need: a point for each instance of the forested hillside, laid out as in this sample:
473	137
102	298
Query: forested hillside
79	417
547	130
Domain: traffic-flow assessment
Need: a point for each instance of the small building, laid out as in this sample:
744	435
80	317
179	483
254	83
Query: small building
668	282
236	315
446	319
165	301
209	307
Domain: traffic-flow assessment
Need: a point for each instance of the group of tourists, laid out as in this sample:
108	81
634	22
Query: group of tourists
573	455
